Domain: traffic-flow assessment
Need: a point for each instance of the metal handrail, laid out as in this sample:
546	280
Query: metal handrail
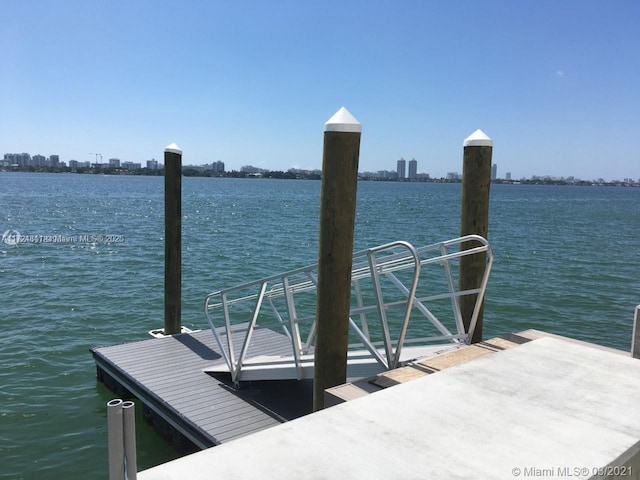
380	266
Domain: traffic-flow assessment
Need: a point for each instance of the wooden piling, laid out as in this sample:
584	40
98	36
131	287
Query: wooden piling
474	220
337	219
173	240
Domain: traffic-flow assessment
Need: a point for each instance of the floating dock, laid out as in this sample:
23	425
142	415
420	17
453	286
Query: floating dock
190	408
544	408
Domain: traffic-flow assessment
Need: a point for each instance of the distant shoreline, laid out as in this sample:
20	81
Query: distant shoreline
194	172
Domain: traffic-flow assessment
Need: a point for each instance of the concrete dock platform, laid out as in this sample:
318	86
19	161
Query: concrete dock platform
546	408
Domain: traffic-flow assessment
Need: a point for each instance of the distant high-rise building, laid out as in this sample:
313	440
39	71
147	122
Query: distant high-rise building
114	163
131	166
494	171
39	161
73	164
20	159
508	175
217	167
402	168
54	160
413	169
251	169
152	164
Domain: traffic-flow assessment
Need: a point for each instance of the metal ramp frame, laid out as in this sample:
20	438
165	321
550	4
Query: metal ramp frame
404	306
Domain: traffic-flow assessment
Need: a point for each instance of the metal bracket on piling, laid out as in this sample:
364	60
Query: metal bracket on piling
635	337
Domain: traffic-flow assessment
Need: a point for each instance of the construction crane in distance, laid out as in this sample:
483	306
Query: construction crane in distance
97	155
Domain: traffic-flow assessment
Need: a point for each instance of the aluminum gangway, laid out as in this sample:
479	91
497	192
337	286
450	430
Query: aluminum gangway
404	306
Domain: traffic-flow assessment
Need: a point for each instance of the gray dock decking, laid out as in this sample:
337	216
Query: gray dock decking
166	375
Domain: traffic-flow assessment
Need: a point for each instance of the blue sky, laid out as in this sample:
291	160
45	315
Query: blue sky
556	84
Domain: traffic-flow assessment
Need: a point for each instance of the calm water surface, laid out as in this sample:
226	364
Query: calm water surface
566	262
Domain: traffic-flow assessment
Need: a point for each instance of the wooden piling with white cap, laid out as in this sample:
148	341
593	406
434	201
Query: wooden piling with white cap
173	239
474	219
337	219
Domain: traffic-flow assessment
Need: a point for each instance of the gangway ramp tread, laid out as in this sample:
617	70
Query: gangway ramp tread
360	364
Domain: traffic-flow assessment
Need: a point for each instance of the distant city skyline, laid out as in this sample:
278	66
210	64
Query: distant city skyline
25	159
253	83
38	160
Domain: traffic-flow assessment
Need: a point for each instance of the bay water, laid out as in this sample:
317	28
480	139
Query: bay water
89	272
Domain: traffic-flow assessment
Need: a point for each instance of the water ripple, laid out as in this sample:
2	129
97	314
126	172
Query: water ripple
565	263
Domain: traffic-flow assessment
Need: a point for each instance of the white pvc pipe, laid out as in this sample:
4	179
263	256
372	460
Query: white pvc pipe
129	424
115	439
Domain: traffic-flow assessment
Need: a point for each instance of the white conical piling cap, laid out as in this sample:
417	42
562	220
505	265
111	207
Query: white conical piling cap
173	148
478	139
343	121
